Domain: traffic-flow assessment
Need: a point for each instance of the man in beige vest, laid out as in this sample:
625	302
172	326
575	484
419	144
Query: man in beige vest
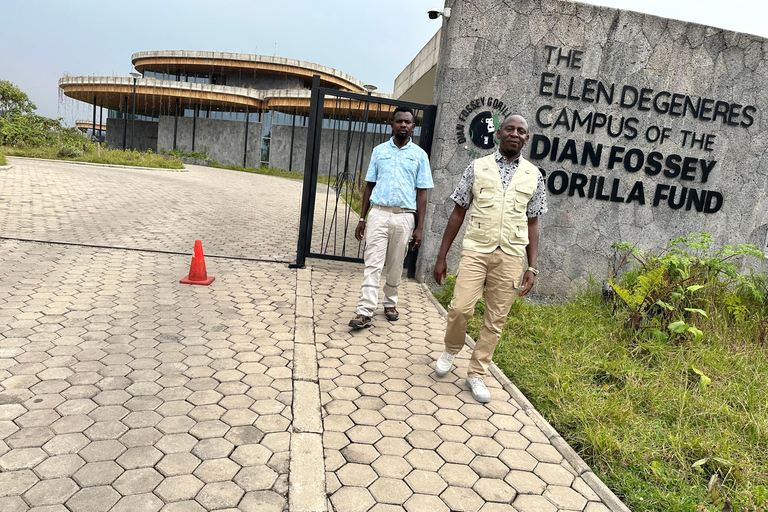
504	194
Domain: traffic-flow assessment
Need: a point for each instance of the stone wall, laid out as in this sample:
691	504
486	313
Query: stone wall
646	128
145	138
332	153
221	140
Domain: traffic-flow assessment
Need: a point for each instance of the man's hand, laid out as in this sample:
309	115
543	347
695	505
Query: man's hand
527	283
359	230
441	267
416	237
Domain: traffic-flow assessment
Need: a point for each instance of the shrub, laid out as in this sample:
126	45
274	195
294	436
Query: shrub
70	152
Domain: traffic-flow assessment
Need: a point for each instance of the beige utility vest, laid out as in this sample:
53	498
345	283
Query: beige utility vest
497	218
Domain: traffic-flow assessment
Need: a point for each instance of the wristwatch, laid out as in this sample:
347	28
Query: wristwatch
535	272
362	219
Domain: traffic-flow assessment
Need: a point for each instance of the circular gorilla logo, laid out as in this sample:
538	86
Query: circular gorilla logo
482	130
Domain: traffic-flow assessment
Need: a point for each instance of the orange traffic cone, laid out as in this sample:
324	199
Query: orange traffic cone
197	273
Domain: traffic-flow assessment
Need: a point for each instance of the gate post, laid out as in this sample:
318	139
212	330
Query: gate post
307	191
425	142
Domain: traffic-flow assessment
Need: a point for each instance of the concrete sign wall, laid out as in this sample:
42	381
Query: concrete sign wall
646	128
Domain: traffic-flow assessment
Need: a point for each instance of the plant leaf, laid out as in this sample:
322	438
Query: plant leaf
699	311
700	462
678	327
704	381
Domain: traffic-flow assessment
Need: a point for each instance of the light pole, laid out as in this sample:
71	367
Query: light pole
133	110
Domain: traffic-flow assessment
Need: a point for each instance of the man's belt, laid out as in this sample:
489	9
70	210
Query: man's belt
393	209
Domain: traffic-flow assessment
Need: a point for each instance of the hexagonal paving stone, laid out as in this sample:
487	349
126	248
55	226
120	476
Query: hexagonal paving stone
492	489
140	437
176	443
352	499
565	497
179	488
93	499
140	457
392	446
458	475
462	498
359	475
554	474
51	492
254	478
98	473
261	501
525	482
59	466
360	453
424	439
213	448
251	454
138	502
102	450
137	481
216	470
178	464
531	503
13	504
16	482
423	502
24	458
518	459
424	459
220	495
392	466
426	482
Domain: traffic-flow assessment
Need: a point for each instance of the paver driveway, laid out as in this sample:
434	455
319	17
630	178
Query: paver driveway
121	389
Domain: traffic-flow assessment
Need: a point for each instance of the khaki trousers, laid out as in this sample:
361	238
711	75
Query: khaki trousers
500	274
386	242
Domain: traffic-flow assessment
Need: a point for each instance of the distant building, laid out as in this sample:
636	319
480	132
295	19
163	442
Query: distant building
197	101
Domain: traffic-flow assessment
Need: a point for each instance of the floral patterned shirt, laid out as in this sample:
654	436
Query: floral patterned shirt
462	196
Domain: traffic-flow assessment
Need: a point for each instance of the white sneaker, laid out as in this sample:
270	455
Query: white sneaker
444	364
479	391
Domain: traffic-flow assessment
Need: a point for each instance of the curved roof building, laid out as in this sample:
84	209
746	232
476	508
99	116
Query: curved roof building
209	81
198	86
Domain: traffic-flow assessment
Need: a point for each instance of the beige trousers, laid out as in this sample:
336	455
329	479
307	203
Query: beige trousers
500	274
386	242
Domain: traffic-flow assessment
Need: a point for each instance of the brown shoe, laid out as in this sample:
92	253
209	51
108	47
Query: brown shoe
360	322
392	314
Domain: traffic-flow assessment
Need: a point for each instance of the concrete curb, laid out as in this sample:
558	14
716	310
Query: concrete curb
582	469
98	165
306	476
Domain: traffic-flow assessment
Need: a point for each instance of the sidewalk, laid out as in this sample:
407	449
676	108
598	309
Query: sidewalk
121	389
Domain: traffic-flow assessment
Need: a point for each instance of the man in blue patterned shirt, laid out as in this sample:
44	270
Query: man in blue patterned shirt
396	188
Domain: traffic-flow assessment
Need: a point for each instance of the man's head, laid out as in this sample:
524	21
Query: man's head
513	134
403	124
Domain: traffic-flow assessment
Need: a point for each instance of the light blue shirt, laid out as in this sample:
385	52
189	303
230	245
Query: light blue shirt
398	172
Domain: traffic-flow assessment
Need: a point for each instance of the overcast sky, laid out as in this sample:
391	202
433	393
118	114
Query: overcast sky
369	39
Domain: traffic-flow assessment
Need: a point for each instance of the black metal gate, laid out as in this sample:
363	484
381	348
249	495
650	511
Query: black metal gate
344	127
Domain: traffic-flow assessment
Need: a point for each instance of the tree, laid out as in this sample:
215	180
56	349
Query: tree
13	100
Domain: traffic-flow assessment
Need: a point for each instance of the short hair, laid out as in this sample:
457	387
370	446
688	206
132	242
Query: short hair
402	108
513	115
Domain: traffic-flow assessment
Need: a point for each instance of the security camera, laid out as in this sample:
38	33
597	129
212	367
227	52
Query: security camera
434	13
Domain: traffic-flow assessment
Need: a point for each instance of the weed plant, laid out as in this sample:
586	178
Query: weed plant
3	161
86	151
671	417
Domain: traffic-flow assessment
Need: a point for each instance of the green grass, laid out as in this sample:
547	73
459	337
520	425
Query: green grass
3	161
636	411
105	156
